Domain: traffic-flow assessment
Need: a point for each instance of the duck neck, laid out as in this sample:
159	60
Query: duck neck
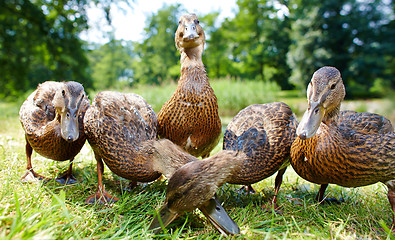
192	70
331	116
57	117
192	57
168	157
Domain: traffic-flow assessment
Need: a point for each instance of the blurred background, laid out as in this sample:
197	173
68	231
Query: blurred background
267	48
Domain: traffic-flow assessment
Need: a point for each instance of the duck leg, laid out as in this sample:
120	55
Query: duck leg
101	196
391	199
321	192
30	175
67	177
320	196
277	184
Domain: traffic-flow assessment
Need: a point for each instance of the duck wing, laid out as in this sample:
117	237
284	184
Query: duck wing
116	125
38	110
264	132
368	123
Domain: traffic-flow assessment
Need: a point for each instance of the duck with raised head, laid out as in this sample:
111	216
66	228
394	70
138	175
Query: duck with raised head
257	144
122	130
52	118
190	117
344	148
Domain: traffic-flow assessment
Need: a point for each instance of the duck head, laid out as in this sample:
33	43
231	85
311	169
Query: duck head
189	33
67	102
324	94
194	186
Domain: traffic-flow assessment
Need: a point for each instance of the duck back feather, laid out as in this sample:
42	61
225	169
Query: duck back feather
264	132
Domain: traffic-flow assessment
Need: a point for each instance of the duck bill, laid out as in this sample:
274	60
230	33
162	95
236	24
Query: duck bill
311	121
163	218
190	32
69	126
219	217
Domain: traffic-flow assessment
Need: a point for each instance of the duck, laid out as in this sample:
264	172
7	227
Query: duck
189	189
345	148
190	117
52	119
122	128
257	144
265	132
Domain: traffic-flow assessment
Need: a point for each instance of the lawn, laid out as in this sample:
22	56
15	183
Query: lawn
51	211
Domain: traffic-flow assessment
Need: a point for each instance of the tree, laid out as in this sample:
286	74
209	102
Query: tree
157	57
252	45
346	34
38	42
111	63
215	56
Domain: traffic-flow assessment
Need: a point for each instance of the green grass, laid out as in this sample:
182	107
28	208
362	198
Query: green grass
52	211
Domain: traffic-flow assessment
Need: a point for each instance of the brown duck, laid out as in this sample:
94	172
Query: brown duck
190	117
52	118
122	130
257	144
344	148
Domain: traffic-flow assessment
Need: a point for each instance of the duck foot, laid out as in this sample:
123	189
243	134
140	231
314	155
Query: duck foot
31	176
101	197
272	206
247	189
132	185
332	200
296	201
269	208
66	179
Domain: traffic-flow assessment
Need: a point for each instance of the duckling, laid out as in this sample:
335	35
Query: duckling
350	149
52	118
257	144
121	129
190	117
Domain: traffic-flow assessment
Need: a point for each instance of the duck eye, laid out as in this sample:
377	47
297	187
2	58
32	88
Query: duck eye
196	21
316	111
333	86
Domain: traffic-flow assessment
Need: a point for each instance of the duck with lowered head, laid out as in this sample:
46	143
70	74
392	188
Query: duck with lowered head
122	130
257	144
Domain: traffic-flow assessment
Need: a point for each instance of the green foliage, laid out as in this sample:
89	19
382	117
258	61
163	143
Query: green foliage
157	53
111	64
39	42
272	41
351	35
252	45
234	95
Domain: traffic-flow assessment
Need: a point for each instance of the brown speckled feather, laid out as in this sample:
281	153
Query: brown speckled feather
363	122
42	130
264	132
346	155
190	117
345	148
256	145
116	125
348	148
